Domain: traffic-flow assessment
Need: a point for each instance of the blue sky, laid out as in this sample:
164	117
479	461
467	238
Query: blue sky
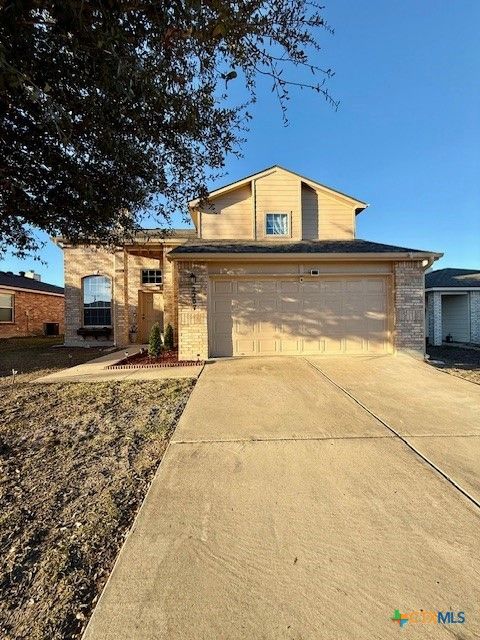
406	137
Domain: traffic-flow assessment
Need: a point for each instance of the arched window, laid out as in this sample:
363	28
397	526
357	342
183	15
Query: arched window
97	301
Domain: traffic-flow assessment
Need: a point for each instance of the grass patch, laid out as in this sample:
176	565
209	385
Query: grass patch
75	463
37	356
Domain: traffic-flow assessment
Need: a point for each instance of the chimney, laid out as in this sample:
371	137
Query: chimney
33	276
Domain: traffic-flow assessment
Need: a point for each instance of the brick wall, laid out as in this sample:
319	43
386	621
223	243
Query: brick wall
124	270
170	293
79	262
475	317
31	311
192	322
409	307
133	276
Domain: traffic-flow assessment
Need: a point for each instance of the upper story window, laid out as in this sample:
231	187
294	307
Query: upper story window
97	301
276	224
6	307
151	276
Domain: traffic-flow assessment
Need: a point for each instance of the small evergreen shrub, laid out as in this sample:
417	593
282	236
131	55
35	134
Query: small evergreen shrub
168	337
155	341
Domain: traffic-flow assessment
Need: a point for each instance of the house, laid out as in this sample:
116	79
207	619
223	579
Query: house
272	266
453	305
28	306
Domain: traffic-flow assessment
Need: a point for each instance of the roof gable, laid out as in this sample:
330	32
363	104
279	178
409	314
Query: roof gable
260	174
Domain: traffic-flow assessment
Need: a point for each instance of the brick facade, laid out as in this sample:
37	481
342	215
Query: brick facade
192	311
80	262
409	287
185	302
124	270
31	311
475	317
434	317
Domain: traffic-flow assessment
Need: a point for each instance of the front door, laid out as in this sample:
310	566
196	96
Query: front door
150	310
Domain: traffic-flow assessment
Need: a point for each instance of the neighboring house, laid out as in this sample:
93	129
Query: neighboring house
453	305
272	267
29	307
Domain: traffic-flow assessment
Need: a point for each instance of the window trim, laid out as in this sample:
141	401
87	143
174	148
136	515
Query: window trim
151	284
11	307
97	275
277	235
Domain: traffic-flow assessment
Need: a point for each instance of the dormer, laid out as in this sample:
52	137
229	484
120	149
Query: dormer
276	205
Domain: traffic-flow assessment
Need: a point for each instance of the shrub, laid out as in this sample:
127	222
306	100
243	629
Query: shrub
168	337
155	341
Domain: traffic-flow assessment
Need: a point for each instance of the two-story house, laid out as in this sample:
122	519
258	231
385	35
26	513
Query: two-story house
272	267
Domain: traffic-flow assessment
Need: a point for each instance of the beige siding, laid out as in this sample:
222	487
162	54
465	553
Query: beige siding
231	216
278	192
337	218
314	213
310	217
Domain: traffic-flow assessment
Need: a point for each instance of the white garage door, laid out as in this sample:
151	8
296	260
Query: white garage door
321	315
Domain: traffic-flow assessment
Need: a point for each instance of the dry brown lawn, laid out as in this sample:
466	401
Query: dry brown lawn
76	460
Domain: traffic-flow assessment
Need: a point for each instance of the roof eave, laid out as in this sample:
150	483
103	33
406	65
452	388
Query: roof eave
453	289
307	256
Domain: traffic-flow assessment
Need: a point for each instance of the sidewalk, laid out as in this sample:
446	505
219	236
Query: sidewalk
96	371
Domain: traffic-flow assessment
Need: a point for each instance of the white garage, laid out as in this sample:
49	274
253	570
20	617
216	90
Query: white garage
262	316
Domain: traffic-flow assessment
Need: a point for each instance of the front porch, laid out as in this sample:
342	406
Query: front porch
451	318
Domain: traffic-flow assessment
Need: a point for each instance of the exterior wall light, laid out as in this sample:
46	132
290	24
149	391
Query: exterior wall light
193	278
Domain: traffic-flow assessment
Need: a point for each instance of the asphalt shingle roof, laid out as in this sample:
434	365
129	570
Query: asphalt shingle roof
303	246
450	278
21	282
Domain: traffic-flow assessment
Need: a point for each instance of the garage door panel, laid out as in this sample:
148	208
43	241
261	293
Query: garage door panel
266	317
290	345
244	347
246	286
223	286
266	287
266	305
354	344
289	286
267	326
311	346
267	346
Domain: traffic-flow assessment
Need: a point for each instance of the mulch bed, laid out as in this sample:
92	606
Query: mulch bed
144	361
463	363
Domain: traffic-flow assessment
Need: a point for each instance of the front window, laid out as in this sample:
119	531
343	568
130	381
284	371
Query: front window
97	301
151	276
6	307
276	224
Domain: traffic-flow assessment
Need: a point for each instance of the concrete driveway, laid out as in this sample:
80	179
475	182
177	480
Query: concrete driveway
287	507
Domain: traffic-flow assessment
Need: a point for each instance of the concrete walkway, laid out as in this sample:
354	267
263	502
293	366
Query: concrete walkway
96	371
285	509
